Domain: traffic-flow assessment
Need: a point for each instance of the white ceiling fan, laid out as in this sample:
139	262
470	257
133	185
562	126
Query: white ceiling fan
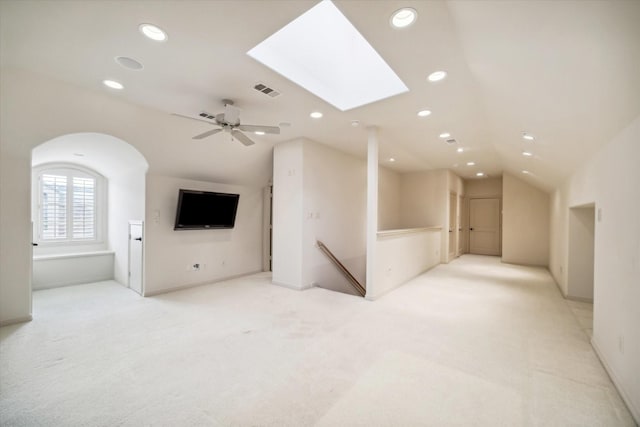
229	121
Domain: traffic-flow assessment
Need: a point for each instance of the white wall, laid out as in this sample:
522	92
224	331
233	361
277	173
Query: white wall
15	229
287	215
424	202
525	223
402	256
610	180
335	212
388	199
483	187
51	271
318	194
221	253
126	202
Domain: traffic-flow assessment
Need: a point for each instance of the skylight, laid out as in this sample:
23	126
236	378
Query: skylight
325	54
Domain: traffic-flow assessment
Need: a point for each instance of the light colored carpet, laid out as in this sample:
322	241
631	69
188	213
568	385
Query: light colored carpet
471	343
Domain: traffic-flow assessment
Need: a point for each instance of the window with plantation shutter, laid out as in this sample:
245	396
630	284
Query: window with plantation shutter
67	206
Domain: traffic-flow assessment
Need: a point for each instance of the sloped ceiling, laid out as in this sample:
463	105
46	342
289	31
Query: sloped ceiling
567	72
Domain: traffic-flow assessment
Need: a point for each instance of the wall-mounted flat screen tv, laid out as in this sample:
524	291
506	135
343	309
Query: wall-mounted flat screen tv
203	210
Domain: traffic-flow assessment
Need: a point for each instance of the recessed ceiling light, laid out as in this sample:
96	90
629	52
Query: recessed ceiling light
355	123
480	174
325	54
459	149
113	84
471	163
402	18
527	153
424	113
316	114
436	76
391	159
527	136
445	135
153	32
259	132
526	172
128	63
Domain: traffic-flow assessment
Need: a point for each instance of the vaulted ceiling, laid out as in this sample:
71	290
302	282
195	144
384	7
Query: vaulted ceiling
567	72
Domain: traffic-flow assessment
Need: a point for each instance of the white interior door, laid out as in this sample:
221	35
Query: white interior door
484	226
135	255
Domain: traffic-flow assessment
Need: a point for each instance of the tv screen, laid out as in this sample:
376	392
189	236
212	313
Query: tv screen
205	210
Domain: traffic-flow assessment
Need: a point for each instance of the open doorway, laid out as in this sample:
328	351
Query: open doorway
581	263
581	252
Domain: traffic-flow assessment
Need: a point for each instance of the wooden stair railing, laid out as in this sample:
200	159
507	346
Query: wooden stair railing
352	280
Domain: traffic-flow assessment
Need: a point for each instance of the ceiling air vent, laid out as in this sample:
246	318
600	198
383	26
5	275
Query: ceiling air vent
206	115
261	87
451	141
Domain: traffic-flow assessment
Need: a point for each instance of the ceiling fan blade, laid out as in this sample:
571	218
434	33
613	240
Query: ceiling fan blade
192	118
207	133
257	128
242	137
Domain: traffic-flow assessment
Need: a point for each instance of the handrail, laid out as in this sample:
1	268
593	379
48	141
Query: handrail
352	280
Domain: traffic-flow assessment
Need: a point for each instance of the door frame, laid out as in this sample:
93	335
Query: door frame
452	253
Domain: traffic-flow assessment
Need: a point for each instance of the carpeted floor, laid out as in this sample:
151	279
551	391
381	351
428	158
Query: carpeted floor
471	343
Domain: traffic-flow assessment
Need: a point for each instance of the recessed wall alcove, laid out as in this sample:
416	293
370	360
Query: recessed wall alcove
124	170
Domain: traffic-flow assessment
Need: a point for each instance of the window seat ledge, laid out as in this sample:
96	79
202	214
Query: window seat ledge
71	255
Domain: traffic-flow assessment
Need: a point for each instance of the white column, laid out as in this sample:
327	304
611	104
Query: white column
372	207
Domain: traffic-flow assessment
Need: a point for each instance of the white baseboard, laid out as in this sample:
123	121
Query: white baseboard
194	285
635	412
22	319
290	286
579	299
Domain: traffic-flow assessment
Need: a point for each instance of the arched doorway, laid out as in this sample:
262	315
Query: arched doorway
116	195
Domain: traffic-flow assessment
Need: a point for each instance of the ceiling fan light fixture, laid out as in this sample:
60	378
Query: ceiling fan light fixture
153	32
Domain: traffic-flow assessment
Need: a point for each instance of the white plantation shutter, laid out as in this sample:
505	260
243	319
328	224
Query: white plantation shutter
68	206
54	207
84	208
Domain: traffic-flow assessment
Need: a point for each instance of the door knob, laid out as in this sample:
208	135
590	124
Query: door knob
471	228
